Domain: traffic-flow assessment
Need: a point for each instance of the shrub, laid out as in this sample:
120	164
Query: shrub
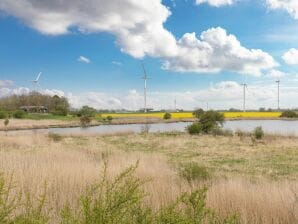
193	172
87	112
60	111
167	116
3	115
6	122
198	113
289	114
19	114
195	128
55	137
109	118
258	133
211	120
85	121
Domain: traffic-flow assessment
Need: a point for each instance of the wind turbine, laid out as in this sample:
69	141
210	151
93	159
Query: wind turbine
145	77
36	81
244	96
278	85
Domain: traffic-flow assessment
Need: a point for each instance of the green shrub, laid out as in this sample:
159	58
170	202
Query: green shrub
19	114
195	128
55	137
167	116
109	118
198	113
289	114
11	201
111	201
3	115
85	121
258	133
86	111
193	172
60	111
6	122
211	120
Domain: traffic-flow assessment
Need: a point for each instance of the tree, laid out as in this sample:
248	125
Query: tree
87	111
167	116
198	113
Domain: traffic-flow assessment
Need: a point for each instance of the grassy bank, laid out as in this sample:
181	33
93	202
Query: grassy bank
256	180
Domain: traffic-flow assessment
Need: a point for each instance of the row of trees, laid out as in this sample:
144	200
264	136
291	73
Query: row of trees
55	104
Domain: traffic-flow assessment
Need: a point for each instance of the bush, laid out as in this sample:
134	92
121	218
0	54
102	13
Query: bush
85	121
60	111
289	114
211	120
258	133
193	172
198	113
6	122
19	114
195	128
167	116
109	118
3	115
86	111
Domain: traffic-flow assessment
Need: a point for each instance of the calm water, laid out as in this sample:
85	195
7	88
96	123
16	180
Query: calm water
270	126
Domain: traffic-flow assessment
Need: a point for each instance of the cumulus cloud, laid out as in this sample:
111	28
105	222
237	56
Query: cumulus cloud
216	3
291	57
215	51
291	6
4	83
84	60
275	74
139	30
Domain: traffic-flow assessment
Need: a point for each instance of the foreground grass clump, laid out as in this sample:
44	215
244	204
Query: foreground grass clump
193	172
119	200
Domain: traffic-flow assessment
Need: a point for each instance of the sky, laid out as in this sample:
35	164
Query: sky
195	52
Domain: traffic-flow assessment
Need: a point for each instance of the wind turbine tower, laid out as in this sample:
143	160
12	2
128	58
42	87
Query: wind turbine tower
244	96
145	77
278	100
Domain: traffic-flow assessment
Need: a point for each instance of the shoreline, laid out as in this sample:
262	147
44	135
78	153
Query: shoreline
121	121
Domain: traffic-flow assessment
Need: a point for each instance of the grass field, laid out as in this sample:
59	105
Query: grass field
256	180
183	115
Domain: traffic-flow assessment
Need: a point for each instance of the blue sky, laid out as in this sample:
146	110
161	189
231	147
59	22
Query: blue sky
113	76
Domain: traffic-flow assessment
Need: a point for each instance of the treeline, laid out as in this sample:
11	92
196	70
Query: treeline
54	104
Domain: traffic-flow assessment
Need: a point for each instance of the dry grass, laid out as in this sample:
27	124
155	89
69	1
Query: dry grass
259	182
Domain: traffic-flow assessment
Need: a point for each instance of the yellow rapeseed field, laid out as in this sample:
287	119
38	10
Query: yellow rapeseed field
184	115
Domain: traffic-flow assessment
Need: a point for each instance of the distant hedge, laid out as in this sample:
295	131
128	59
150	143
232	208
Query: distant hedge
289	114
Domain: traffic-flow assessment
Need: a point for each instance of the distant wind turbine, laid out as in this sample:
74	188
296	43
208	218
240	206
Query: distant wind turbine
244	96
36	81
145	77
278	100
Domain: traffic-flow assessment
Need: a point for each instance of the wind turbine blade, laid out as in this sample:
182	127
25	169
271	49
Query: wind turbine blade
39	74
143	67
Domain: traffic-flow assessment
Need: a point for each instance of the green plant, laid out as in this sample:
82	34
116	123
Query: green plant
193	172
289	114
85	121
3	115
211	120
195	128
111	201
198	113
86	111
258	133
60	110
19	114
55	137
109	118
167	116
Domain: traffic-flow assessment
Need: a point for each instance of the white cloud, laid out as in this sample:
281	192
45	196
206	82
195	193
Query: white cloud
291	57
216	51
139	30
84	60
5	83
216	3
118	63
291	6
276	74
